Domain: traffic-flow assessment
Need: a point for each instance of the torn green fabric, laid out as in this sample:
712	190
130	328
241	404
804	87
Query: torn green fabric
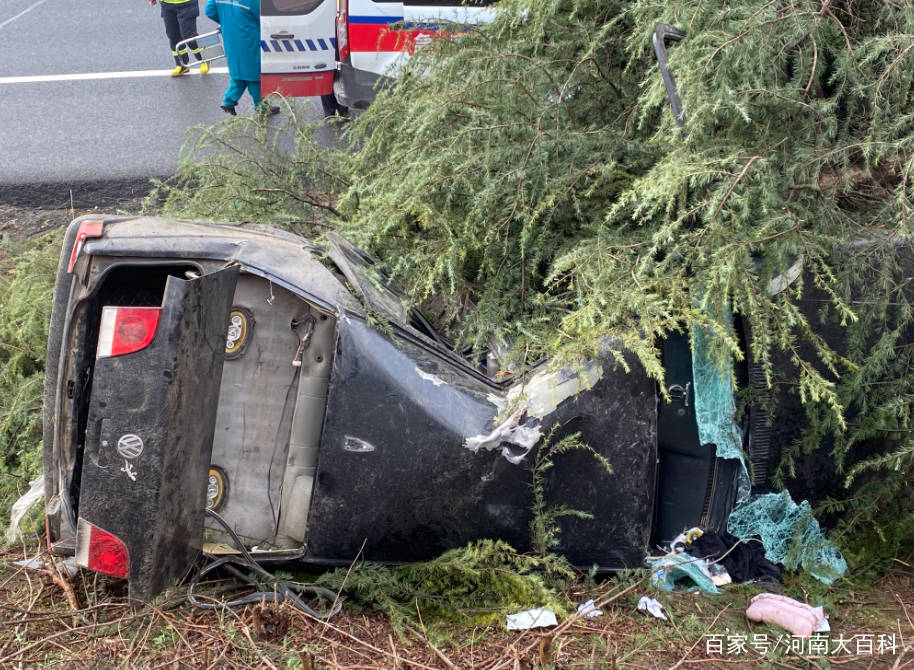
715	406
790	534
681	572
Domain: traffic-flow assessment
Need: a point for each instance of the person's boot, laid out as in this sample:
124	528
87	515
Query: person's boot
266	109
228	109
198	56
180	65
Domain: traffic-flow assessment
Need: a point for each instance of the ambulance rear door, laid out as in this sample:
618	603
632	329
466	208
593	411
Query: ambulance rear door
297	47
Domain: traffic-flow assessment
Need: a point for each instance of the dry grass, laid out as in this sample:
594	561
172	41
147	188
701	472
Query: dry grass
39	628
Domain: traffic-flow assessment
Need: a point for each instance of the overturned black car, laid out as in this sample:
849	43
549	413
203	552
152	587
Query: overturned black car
194	366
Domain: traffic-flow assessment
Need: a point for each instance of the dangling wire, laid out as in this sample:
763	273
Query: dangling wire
281	592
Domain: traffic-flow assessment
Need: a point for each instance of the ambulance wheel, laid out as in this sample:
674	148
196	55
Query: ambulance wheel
333	108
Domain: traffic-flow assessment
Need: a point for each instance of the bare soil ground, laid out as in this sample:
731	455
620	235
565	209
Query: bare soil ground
28	210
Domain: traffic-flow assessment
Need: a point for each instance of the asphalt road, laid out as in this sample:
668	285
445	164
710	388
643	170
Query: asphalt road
86	96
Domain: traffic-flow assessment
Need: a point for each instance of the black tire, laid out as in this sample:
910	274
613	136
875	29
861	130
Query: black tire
332	107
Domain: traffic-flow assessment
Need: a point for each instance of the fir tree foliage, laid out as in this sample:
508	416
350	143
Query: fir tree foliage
483	164
242	171
545	525
529	175
26	286
479	583
535	165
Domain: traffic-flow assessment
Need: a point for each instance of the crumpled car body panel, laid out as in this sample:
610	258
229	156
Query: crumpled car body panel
332	436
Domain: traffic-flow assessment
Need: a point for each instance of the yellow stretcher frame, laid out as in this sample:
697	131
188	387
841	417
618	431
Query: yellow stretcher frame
210	45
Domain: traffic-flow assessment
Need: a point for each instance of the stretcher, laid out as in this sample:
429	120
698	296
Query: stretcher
210	45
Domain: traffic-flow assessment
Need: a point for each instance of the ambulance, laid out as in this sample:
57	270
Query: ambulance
341	49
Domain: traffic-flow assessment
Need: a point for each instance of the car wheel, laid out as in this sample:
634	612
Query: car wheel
332	107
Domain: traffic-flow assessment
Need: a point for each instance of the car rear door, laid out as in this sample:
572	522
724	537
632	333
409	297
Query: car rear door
297	47
152	411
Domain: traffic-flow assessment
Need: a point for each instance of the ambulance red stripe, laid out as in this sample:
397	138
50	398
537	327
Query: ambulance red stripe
371	37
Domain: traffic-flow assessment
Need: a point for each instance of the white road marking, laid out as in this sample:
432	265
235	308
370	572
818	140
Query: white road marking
23	13
86	76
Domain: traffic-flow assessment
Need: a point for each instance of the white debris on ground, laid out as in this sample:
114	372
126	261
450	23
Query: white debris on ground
535	618
652	606
22	506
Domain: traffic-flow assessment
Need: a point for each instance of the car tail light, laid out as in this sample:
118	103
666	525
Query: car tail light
87	230
342	28
124	330
99	550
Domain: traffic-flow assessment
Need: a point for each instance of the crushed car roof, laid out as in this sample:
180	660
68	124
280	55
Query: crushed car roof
280	256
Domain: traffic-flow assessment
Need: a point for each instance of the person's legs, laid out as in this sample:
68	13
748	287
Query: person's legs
173	31
254	90
187	22
260	105
233	94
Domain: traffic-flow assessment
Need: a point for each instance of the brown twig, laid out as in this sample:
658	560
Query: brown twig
54	636
438	652
53	571
559	630
393	649
815	62
690	649
733	186
368	645
355	560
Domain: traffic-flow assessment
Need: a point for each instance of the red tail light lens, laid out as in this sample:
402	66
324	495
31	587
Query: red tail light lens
342	28
124	330
87	230
101	551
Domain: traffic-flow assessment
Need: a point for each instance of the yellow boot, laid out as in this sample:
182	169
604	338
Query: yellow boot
179	70
204	67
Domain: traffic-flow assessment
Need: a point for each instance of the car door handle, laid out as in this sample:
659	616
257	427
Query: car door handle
282	36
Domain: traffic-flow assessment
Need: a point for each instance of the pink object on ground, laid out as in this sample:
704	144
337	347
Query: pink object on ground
798	618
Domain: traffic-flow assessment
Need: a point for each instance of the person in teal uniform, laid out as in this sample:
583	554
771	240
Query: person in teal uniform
239	21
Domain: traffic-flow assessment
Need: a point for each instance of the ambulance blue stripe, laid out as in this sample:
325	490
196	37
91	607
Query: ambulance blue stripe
387	20
420	26
374	19
323	44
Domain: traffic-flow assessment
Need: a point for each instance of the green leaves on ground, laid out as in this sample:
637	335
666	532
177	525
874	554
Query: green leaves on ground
477	583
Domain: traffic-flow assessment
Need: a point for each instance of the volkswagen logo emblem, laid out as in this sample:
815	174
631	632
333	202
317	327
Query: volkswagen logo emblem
130	445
